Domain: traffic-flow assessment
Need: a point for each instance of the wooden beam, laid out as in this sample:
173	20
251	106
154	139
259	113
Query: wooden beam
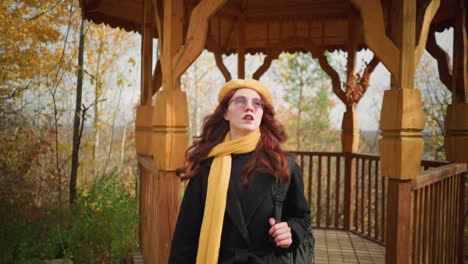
241	47
444	64
456	121
372	64
375	36
146	54
460	54
196	35
172	40
222	67
429	14
272	55
319	9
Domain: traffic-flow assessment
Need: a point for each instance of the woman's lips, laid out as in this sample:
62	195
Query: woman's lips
248	117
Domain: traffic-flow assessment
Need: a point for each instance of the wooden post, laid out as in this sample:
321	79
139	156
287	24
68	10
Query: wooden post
170	118
144	113
401	121
350	127
398	231
169	127
456	121
349	142
401	146
241	47
145	110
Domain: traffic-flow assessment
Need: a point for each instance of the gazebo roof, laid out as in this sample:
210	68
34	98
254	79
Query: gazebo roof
293	25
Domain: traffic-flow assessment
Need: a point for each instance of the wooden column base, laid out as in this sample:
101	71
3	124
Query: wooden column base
169	138
401	122
349	143
398	227
144	114
456	129
149	220
170	122
167	208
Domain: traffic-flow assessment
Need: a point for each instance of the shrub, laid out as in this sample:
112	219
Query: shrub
100	228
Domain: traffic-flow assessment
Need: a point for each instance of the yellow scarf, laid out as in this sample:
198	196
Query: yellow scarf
218	182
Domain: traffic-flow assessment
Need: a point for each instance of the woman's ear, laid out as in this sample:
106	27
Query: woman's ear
226	116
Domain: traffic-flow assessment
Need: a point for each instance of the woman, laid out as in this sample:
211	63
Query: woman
226	215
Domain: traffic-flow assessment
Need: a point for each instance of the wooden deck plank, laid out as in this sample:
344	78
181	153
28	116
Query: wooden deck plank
332	246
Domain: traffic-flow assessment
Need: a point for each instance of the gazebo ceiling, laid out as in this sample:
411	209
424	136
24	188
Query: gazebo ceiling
293	25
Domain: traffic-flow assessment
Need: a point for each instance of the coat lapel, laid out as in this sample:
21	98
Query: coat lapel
234	211
259	191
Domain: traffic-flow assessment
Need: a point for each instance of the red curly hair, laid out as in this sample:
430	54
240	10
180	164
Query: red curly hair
267	157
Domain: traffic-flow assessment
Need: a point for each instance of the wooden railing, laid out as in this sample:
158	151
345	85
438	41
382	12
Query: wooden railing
369	201
324	185
437	215
323	174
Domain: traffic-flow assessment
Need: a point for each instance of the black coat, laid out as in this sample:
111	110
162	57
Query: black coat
245	237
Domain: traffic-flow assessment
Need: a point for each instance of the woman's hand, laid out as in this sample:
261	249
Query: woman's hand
281	232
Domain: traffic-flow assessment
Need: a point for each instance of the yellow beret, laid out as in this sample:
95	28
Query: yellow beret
251	84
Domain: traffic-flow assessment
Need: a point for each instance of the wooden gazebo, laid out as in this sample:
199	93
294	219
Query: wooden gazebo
421	214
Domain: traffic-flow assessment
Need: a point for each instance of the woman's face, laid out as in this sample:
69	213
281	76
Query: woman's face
244	112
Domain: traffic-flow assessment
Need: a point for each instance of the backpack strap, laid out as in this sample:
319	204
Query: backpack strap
280	192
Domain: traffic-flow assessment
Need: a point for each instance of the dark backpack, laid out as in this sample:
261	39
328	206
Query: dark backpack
304	254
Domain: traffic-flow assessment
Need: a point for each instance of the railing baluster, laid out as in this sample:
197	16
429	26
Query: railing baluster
302	163
420	224
427	208
356	192
327	220
384	199
311	164
362	195
337	191
376	215
414	224
319	191
433	221
461	212
369	198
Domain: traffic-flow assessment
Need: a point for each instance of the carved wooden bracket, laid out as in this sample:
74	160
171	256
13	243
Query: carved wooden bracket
196	35
271	55
335	78
222	67
443	60
384	48
375	36
428	15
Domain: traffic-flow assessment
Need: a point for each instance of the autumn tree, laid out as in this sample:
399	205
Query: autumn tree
308	97
201	87
436	97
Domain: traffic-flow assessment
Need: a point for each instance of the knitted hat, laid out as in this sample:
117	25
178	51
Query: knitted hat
250	84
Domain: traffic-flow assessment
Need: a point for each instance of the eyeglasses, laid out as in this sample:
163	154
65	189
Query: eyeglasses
241	101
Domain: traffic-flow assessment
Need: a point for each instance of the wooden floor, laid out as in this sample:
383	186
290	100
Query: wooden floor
343	247
330	247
